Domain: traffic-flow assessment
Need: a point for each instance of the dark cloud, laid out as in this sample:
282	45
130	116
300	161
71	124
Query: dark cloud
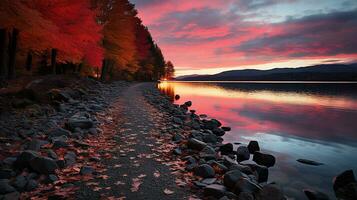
325	34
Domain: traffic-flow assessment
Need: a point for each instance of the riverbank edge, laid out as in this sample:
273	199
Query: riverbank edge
222	172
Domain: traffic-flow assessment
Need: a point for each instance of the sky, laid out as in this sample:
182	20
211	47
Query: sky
211	36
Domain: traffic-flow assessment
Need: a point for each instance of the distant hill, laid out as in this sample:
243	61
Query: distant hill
324	72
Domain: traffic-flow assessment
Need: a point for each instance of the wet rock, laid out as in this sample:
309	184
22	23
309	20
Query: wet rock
6	173
228	161
196	144
11	196
215	190
51	178
204	171
93	131
231	178
59	132
9	161
345	185
31	185
74	123
203	116
309	162
262	171
60	142
245	185
226	149
218	131
5	187
243	168
270	192
226	128
87	170
177	120
61	163
242	153
264	159
177	97
315	195
25	157
52	154
20	182
253	146
43	165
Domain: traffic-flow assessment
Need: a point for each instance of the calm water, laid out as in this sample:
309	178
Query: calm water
316	121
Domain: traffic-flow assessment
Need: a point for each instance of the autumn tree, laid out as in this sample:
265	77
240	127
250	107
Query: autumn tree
169	70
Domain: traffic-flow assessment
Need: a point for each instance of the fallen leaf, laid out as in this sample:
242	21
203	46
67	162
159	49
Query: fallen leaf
168	192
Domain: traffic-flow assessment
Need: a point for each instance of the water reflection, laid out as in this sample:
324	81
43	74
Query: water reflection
292	121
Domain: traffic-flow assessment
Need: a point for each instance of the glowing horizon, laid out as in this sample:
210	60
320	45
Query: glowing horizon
208	37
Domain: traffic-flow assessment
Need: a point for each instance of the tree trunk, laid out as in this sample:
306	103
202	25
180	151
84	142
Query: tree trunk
104	70
53	61
29	61
12	53
3	34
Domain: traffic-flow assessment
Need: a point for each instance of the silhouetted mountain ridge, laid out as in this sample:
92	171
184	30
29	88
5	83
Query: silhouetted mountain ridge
323	72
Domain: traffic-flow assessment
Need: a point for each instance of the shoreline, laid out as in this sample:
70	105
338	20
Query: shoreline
226	173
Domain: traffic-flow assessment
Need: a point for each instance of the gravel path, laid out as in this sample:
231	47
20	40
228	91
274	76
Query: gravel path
134	171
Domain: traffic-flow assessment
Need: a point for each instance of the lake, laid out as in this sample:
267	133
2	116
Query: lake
294	120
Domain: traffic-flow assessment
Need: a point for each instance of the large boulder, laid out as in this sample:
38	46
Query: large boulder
215	190
345	185
253	146
43	165
231	178
204	171
264	159
270	192
218	131
242	153
196	144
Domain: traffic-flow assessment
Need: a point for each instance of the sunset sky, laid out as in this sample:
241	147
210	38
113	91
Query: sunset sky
210	36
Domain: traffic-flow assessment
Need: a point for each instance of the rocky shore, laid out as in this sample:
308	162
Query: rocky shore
222	171
45	132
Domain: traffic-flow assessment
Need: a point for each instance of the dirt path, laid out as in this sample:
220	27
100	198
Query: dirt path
134	171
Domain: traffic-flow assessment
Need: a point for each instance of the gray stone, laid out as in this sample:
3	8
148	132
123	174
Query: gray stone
70	158
52	154
20	182
245	185
87	170
210	138
35	145
215	190
196	144
253	146
51	178
25	157
208	150
242	153
315	195
231	178
270	192
177	137
74	123
204	171
177	120
9	161
31	185
177	151
59	132
264	159
218	131
208	181
5	187
43	165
